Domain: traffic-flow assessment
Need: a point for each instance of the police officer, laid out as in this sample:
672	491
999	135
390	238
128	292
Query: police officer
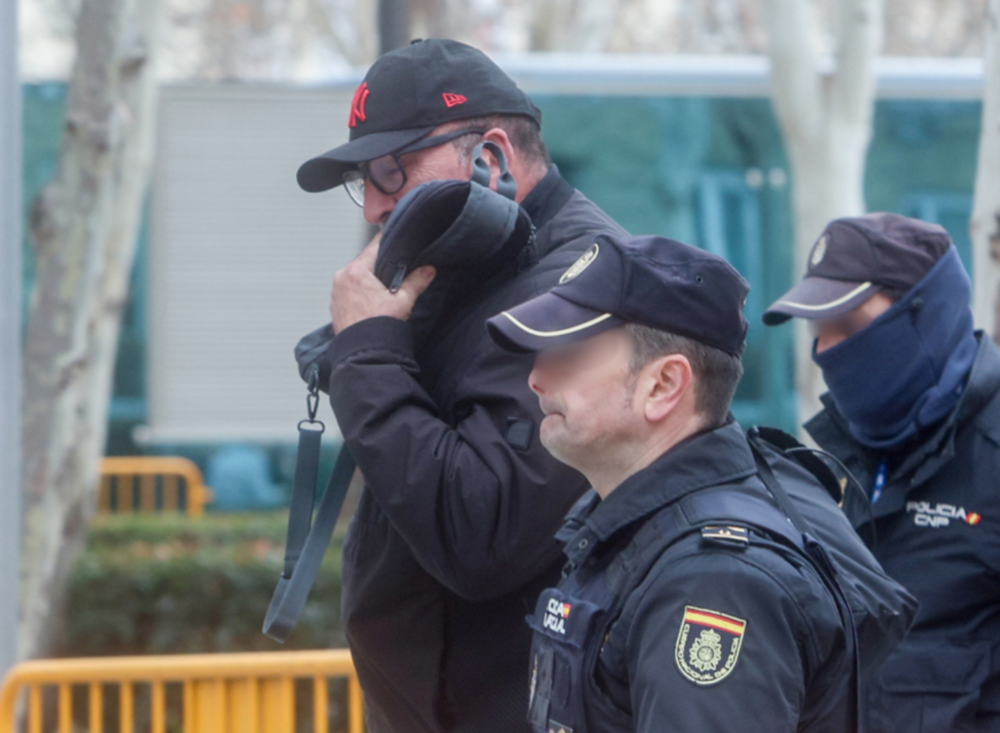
913	410
661	622
453	535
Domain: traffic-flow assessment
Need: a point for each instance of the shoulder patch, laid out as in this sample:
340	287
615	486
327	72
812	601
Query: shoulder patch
708	645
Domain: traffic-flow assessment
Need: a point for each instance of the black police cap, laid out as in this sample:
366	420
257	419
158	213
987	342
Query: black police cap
856	257
406	94
652	281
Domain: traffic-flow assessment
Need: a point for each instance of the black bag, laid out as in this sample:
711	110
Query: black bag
883	610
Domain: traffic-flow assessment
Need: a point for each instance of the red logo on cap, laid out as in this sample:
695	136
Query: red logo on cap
453	100
358	105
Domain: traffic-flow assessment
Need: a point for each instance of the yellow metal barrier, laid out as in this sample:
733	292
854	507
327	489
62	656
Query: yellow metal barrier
198	693
118	475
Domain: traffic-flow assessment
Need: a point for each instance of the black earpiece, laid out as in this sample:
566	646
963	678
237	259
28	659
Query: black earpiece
506	185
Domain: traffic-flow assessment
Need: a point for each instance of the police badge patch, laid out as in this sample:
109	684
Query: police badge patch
708	645
581	264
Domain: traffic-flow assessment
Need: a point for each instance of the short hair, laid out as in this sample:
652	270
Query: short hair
524	133
717	372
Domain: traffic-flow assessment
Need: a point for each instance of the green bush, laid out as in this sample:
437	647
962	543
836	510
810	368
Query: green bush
166	584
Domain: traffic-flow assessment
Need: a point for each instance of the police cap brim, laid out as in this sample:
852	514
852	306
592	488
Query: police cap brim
546	321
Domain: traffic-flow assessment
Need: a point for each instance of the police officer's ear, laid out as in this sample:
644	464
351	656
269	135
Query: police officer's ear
498	136
665	386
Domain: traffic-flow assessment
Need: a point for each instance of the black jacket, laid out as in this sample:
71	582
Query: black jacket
453	536
727	628
937	531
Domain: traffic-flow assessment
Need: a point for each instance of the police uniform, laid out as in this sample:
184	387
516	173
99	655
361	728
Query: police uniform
913	412
937	526
727	628
688	602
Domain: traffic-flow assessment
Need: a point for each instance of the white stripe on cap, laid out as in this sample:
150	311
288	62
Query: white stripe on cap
563	332
824	306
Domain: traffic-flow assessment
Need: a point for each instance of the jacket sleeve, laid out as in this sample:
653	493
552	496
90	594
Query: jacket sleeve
743	635
479	511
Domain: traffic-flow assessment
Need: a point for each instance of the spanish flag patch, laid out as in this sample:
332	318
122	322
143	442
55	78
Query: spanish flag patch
708	645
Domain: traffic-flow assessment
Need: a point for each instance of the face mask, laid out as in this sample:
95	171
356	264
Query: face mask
906	370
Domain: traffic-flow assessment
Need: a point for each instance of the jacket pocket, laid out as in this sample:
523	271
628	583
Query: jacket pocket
928	687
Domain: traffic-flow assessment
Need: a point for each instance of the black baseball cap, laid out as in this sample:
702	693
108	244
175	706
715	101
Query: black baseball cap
406	94
652	281
855	258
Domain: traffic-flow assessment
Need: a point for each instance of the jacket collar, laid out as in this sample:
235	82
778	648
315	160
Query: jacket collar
547	197
930	451
716	457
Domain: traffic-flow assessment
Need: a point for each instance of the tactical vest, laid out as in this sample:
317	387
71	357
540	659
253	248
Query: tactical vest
572	622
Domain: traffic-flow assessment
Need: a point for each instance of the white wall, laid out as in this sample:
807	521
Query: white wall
241	259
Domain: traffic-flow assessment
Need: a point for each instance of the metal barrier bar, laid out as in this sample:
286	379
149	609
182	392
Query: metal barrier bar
222	693
121	473
355	705
158	706
321	713
126	708
35	709
96	708
65	708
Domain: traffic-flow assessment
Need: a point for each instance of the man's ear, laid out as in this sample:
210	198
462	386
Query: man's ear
670	382
498	136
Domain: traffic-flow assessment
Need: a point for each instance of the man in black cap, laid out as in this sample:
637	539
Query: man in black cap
913	411
453	536
662	623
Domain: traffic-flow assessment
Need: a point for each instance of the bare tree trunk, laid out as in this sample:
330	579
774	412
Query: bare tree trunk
10	330
985	224
84	227
826	121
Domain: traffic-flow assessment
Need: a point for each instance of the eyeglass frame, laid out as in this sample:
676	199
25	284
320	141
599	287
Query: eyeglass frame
351	177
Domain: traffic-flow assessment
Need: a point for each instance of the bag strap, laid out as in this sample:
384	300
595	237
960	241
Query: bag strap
820	560
775	489
308	536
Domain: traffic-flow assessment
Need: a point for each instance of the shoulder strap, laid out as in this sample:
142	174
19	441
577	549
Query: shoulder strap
307	540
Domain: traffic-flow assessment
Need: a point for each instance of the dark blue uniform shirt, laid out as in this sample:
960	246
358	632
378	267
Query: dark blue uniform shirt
712	636
937	531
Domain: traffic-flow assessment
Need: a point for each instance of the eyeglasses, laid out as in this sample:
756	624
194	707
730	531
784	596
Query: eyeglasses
387	173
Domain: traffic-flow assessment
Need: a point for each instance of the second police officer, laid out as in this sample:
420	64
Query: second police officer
663	622
914	412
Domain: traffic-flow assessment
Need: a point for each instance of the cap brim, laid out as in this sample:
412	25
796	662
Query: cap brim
546	321
327	171
819	297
